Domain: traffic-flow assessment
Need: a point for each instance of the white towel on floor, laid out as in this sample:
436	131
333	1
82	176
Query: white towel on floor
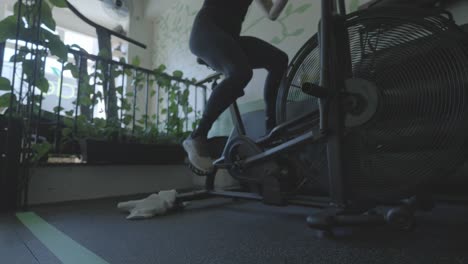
155	204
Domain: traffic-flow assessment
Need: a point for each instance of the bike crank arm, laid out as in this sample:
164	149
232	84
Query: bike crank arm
269	154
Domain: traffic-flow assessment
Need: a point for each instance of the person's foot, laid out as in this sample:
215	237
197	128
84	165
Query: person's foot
198	153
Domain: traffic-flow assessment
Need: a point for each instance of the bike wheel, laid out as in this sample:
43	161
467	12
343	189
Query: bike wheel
292	102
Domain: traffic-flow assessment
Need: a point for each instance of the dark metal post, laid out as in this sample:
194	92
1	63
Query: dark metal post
147	99
20	94
18	28
196	102
75	122
93	102
2	55
135	89
205	100
157	106
178	105
41	97
341	7
57	130
334	126
167	105
122	98
186	107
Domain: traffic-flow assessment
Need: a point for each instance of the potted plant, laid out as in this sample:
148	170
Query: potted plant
142	141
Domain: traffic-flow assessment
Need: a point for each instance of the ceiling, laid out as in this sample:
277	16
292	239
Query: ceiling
92	9
96	11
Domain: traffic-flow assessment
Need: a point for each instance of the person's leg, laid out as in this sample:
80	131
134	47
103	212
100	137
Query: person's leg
261	54
223	53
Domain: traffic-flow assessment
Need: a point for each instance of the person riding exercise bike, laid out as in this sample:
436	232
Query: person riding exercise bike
215	38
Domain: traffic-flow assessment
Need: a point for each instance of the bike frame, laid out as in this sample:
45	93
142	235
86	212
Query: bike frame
334	70
333	44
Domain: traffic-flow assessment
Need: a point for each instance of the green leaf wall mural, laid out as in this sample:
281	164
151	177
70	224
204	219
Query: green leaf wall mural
172	29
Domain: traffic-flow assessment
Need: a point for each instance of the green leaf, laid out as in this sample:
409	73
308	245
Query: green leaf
5	84
129	94
58	109
153	93
128	72
40	151
5	99
20	55
46	16
302	8
43	84
178	74
354	5
297	32
119	89
68	121
136	61
28	68
8	28
72	68
289	9
59	3
56	46
16	9
104	53
276	40
85	101
161	68
127	119
69	113
66	132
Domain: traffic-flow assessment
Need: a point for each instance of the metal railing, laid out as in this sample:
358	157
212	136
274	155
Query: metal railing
55	97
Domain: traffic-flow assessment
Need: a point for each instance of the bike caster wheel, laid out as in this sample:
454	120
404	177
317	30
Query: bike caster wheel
322	226
325	234
401	218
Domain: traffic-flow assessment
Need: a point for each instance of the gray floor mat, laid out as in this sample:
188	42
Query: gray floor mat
222	231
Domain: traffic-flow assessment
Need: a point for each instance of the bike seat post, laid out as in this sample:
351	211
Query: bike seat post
237	119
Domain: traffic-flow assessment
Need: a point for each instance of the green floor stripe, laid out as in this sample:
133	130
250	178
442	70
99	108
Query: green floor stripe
63	247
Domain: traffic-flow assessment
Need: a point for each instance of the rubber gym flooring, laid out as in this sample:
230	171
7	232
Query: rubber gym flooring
220	231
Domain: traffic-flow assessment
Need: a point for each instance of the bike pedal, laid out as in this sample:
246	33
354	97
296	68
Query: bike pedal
197	171
315	90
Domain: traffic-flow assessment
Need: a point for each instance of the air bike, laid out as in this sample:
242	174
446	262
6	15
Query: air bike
373	112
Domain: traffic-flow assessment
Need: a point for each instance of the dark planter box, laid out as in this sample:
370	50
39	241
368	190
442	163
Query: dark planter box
106	152
9	164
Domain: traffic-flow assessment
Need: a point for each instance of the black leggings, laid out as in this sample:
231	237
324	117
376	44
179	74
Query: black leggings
235	56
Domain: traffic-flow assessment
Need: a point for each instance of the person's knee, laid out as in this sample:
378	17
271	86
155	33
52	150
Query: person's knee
280	63
240	77
283	61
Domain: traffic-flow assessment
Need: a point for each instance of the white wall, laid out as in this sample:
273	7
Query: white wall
173	22
141	29
459	10
3	8
73	183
